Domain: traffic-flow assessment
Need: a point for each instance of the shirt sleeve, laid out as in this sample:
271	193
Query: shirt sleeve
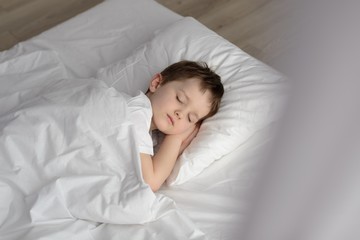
140	114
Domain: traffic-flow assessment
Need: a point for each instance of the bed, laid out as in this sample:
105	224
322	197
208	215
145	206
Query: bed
58	182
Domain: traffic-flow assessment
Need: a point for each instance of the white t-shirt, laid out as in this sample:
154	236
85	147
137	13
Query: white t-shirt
140	114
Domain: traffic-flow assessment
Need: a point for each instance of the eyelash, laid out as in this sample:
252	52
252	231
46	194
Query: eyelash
178	99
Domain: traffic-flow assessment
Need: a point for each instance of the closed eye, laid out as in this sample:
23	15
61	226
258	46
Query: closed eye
178	99
192	118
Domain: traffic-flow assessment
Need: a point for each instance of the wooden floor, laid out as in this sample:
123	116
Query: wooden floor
22	19
256	26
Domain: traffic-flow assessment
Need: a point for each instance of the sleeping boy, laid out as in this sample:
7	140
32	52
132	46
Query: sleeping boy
67	145
177	101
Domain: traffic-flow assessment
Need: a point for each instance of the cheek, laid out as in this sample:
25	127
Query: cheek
162	100
183	126
157	103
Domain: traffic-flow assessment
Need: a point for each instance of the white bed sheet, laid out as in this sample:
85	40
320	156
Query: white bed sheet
213	203
218	199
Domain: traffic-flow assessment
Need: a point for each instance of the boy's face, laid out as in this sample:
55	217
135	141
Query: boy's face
177	105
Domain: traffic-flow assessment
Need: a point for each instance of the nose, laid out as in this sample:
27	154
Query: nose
178	114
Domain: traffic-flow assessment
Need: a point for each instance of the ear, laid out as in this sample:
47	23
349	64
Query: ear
155	82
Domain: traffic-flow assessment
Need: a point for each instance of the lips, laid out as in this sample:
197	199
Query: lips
170	120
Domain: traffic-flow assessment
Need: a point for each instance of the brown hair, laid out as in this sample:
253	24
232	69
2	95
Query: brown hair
209	80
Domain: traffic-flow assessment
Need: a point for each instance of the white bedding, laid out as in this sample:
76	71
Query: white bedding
212	205
68	155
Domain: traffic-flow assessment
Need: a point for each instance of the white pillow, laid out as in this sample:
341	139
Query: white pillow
252	89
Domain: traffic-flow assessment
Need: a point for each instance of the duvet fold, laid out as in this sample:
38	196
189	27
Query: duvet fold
68	157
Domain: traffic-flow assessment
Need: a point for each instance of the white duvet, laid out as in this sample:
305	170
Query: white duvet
69	163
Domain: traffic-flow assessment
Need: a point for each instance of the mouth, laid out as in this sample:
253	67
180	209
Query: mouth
170	120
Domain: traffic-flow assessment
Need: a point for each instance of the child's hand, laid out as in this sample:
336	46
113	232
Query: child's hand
188	136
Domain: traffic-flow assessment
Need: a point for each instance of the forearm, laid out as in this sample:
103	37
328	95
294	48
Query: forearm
164	160
158	168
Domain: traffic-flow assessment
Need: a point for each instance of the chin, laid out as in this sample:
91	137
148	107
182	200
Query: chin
162	128
166	130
